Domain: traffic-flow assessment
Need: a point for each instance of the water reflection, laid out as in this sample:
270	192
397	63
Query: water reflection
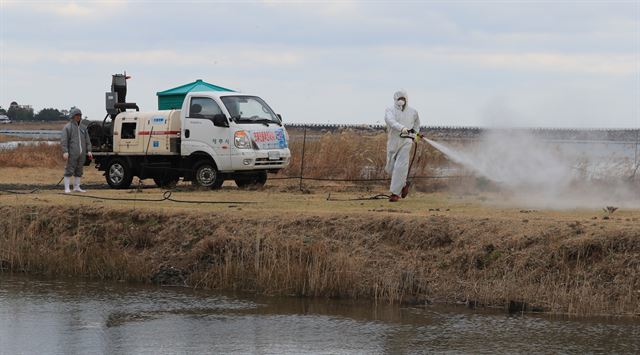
44	316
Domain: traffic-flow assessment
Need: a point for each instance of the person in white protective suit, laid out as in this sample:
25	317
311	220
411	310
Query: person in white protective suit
76	147
400	119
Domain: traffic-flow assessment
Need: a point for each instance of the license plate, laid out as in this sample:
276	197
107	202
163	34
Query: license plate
274	155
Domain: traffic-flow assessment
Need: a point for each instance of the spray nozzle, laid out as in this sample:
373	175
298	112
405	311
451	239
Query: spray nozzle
412	134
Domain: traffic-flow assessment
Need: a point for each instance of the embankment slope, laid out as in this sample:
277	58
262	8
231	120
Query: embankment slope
584	267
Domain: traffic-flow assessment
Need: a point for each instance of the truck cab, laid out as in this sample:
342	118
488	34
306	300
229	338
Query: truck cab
240	132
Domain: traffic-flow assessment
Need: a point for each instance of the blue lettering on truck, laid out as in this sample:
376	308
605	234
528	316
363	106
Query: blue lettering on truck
281	138
158	120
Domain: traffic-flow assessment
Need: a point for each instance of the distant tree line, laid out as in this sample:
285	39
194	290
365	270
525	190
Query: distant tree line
26	113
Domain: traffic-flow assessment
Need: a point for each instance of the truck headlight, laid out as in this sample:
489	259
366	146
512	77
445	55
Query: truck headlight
241	140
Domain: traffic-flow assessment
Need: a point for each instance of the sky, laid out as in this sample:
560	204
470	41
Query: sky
463	63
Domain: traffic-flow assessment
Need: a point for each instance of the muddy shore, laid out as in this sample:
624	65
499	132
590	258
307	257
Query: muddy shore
581	267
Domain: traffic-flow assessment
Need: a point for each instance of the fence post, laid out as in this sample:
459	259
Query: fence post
304	143
636	163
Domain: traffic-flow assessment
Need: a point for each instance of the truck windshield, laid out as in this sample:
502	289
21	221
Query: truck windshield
249	109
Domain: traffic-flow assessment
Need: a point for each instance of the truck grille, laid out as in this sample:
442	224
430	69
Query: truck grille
266	161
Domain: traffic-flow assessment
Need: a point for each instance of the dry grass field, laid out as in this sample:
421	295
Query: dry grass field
35	125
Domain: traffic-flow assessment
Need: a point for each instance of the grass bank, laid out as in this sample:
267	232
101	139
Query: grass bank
581	266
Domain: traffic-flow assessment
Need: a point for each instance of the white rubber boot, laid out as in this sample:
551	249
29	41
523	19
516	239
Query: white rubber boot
76	185
66	185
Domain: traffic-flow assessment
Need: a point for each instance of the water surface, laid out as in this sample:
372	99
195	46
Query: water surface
78	317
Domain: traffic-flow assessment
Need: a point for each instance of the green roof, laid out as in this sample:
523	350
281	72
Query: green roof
197	85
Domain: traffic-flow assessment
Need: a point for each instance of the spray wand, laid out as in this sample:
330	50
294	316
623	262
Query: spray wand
415	136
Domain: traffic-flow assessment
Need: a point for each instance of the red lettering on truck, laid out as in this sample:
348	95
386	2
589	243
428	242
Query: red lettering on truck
260	137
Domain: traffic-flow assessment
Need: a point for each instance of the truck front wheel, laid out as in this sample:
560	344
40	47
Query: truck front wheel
119	174
206	175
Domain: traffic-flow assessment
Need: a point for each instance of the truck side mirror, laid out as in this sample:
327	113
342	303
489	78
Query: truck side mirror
220	120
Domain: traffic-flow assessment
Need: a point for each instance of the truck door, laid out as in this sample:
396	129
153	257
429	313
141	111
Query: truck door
200	134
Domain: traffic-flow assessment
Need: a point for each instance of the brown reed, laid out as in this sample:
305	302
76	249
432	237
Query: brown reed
543	265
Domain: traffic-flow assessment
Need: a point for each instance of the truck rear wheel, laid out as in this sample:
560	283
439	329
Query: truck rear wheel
251	181
119	174
205	174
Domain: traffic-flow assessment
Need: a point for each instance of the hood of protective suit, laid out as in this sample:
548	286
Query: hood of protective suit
400	93
74	111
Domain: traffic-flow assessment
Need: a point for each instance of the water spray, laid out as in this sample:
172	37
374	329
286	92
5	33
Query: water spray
538	172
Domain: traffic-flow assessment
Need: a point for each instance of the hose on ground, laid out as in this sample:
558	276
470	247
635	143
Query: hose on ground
166	196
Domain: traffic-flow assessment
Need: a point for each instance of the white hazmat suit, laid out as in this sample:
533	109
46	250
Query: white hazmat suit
399	118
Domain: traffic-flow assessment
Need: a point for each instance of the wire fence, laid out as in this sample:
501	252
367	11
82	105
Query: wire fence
352	156
356	154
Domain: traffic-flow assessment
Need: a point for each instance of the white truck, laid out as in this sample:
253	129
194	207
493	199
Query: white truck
216	136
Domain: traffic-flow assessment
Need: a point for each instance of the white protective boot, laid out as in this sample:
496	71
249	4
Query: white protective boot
76	185
66	185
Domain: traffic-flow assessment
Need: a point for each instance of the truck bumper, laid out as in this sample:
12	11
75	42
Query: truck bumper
274	159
